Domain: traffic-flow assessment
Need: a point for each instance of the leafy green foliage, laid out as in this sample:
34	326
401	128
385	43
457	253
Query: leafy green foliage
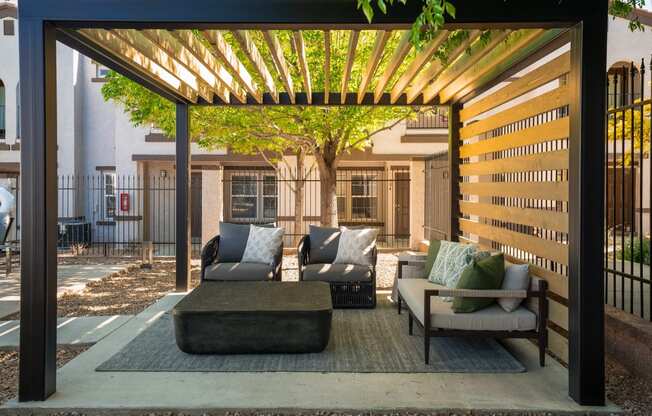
434	12
624	9
635	252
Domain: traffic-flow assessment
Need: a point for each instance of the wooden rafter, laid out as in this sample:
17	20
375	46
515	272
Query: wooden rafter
350	57
436	67
463	63
168	43
250	49
189	41
278	58
137	59
225	53
423	57
300	48
497	61
158	55
395	61
327	65
382	36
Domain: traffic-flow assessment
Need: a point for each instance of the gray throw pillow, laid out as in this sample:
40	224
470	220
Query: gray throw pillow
356	246
233	240
323	244
263	243
517	277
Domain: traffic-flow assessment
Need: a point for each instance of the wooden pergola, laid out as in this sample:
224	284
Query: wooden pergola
547	151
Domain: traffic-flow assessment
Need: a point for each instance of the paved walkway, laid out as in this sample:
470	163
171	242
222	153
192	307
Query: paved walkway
72	278
70	331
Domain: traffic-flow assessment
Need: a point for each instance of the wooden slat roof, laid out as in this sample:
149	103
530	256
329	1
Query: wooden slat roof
306	67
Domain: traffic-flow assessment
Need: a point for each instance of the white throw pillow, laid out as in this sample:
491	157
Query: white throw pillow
452	259
356	246
263	243
517	277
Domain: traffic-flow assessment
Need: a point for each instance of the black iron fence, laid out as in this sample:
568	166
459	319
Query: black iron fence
628	194
366	197
115	215
431	120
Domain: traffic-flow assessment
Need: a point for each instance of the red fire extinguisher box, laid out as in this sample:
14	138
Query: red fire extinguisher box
124	201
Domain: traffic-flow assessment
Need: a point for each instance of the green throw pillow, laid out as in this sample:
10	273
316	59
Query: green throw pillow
432	255
484	274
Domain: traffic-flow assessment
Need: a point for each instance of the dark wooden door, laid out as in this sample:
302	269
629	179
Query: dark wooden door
195	205
402	204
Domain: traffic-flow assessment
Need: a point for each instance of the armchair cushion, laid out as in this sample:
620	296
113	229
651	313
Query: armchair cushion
356	246
262	245
233	240
239	271
323	244
337	273
485	274
492	318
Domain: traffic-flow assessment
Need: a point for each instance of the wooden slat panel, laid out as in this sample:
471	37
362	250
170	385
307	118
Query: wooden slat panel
558	314
250	49
558	345
423	57
158	55
539	76
303	63
503	52
552	130
276	51
327	65
554	160
553	191
546	219
547	249
223	51
551	100
395	61
436	67
350	58
203	54
117	45
382	36
164	40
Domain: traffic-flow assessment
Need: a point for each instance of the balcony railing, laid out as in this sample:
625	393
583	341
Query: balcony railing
429	121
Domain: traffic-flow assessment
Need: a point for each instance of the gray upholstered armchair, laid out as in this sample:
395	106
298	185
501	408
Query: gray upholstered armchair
221	258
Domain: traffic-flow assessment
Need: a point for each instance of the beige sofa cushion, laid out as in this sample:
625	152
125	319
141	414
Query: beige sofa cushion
493	318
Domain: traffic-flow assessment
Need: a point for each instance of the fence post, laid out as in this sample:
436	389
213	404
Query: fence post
454	169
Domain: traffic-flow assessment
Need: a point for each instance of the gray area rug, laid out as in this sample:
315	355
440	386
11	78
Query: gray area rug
362	341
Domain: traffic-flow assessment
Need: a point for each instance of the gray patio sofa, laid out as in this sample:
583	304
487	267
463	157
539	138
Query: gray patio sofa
424	302
220	262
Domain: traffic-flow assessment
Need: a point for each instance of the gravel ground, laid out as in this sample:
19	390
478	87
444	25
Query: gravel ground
9	368
632	394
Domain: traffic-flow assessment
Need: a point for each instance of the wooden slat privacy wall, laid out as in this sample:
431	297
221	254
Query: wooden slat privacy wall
514	179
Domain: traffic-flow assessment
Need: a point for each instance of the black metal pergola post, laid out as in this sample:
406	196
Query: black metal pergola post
42	22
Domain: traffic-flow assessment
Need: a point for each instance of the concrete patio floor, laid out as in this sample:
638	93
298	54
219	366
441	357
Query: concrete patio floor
81	387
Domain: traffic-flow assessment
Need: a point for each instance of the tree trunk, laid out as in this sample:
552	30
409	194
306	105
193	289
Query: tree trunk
299	196
327	164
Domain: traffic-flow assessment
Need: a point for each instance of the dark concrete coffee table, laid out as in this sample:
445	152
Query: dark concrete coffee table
254	317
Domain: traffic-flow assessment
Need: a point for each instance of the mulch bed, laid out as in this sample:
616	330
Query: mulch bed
9	368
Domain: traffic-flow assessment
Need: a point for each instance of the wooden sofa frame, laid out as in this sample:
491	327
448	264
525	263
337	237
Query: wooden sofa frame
540	333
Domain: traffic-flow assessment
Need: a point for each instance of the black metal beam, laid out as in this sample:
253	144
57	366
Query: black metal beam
454	125
182	199
586	207
276	13
38	245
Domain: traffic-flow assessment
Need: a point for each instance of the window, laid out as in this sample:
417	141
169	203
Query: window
100	72
357	197
2	110
364	197
109	191
8	27
254	197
